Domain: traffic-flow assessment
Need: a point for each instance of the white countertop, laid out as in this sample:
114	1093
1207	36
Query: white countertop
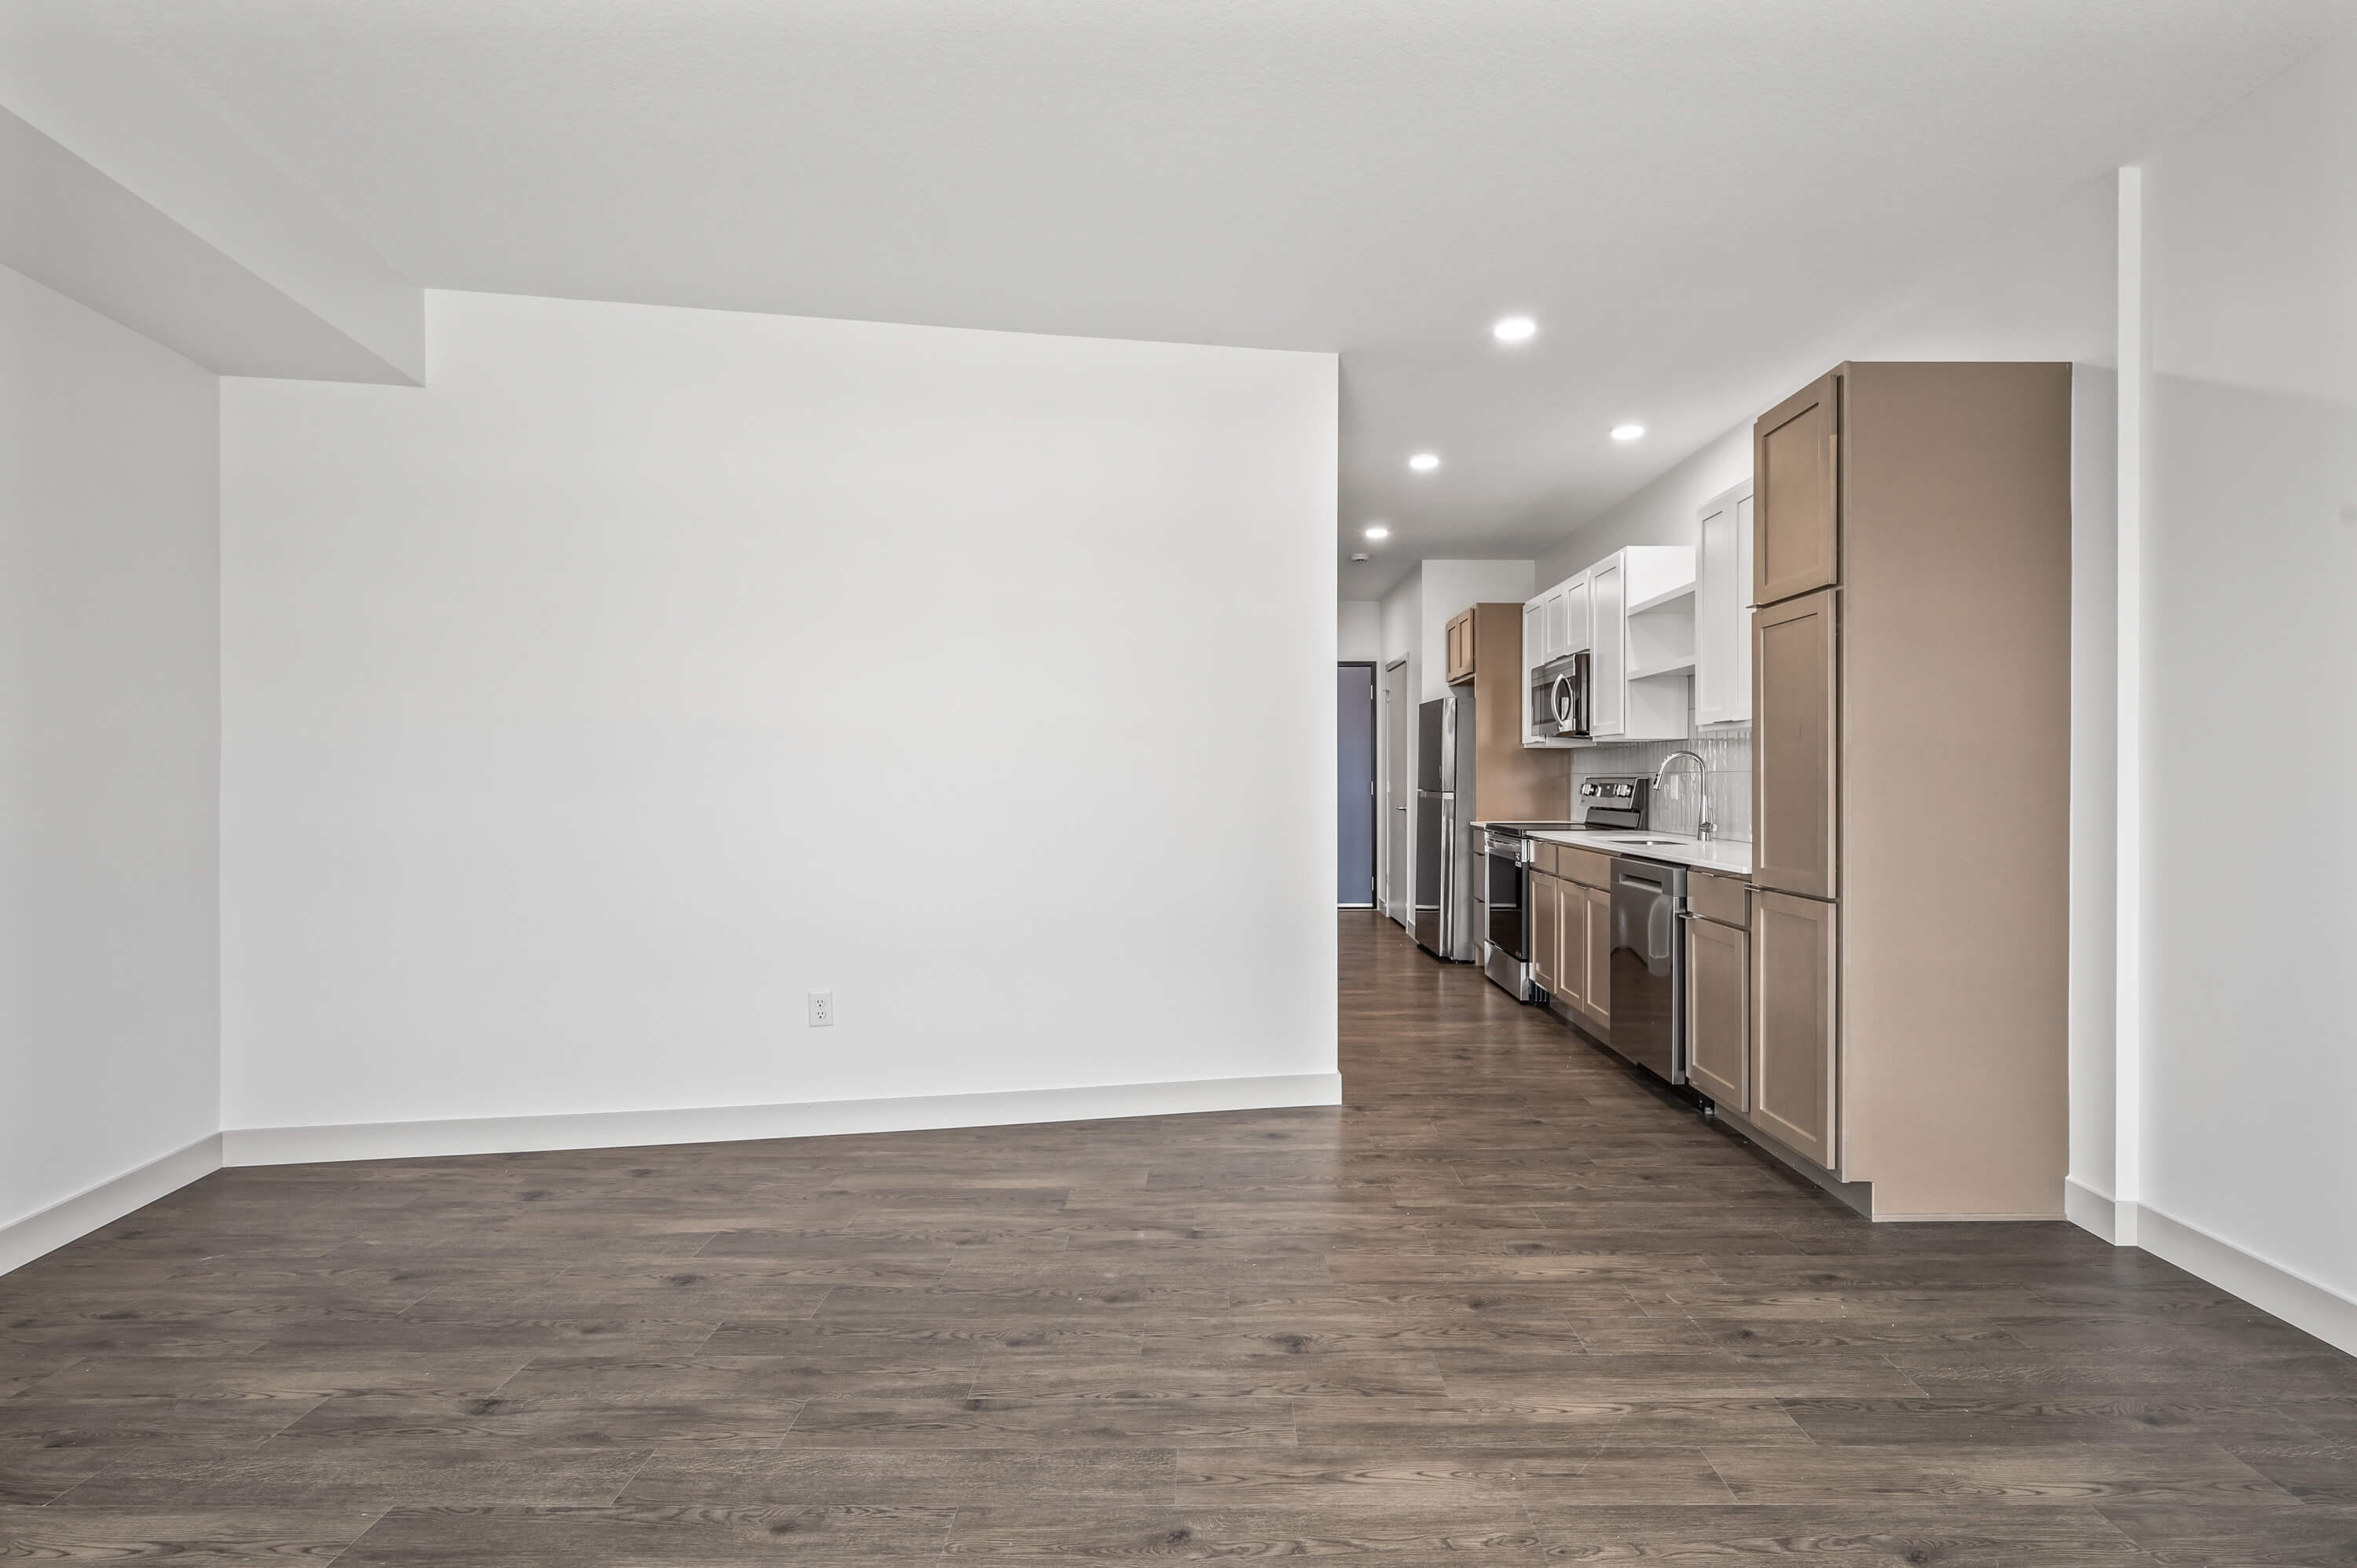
1732	856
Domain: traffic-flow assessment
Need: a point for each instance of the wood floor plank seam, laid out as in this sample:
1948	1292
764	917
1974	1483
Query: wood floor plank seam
1508	1301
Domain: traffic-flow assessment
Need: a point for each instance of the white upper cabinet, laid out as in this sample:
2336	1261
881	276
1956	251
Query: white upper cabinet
1722	689
1608	663
1632	613
1579	621
1534	651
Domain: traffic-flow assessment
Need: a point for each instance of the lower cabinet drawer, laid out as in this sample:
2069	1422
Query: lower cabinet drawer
1585	867
1725	900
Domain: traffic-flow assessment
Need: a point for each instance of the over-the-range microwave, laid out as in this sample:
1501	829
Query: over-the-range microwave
1559	693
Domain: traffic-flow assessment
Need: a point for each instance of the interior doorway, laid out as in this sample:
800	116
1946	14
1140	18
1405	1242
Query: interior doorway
1355	724
1393	799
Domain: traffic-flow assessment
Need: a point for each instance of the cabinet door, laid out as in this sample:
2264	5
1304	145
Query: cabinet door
1546	922
1792	1023
1720	624
1718	1013
1599	951
1796	476
1608	661
1533	629
1747	572
1578	618
1793	778
1571	941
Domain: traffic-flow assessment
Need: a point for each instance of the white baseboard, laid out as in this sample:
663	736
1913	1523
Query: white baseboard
729	1124
72	1219
2100	1212
2028	1217
2271	1286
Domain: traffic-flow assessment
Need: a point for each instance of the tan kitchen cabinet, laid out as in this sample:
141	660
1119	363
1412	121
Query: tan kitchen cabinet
1512	782
1461	650
1546	930
1910	788
1793	738
1598	988
1796	476
1718	1012
1793	1065
1582	921
1571	943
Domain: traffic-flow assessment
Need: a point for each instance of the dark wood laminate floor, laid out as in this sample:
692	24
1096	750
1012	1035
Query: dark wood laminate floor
1507	1305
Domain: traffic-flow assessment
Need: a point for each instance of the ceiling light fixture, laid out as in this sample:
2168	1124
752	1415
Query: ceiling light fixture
1362	555
1514	329
1627	432
1425	462
1377	530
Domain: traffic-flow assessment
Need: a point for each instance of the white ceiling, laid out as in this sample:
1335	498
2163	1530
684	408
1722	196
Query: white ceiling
1692	196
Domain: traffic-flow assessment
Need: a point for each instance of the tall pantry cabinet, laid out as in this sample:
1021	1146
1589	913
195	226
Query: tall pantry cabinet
1911	774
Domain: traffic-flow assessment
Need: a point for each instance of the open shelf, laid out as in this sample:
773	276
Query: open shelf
1671	595
1673	664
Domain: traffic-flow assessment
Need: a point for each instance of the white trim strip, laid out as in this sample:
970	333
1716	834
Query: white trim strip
726	1124
2303	1303
2099	1212
2127	1000
72	1219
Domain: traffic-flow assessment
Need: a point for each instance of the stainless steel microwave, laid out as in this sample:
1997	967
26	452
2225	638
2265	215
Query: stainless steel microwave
1559	699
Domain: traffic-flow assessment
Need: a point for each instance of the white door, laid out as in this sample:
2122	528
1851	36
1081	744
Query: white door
1722	692
1579	614
1391	737
1608	659
1534	650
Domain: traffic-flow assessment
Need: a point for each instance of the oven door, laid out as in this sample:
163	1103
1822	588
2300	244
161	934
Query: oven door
1505	879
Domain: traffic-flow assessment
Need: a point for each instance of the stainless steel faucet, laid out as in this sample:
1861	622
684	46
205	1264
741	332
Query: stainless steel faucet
1701	782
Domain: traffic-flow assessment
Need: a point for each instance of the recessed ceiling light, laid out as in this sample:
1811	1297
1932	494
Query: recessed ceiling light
1362	555
1377	530
1425	462
1627	432
1514	329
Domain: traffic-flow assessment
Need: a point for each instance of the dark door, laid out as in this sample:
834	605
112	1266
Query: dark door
1354	722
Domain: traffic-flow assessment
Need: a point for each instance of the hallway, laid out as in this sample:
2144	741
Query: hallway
1507	1303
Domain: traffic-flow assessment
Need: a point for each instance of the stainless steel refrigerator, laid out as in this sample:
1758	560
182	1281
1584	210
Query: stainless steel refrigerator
1444	828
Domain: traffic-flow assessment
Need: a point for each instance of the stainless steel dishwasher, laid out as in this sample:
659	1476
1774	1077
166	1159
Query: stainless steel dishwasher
1649	966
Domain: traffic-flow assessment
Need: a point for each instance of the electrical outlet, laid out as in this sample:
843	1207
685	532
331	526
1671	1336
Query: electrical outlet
822	1009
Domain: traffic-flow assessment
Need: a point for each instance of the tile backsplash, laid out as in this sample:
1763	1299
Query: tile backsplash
1726	752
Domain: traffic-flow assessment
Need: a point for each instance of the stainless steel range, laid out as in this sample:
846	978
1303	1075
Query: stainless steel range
1501	882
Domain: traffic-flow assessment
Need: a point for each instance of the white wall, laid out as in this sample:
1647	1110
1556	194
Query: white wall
1358	633
1401	621
651	667
2250	654
2094	772
134	194
1664	513
2040	292
1444	589
108	759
